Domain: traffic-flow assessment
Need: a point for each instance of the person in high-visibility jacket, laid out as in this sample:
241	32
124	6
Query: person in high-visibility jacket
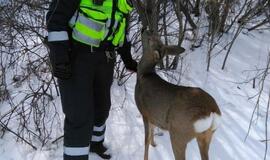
83	37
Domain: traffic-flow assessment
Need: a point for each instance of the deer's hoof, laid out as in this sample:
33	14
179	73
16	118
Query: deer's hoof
153	144
159	134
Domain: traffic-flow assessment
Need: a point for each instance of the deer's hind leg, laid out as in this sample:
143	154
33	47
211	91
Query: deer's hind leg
179	142
152	140
204	140
148	136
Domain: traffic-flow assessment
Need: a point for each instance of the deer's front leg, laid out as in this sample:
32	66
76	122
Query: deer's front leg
147	134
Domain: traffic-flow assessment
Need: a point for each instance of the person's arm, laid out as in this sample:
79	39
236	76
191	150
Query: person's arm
125	53
58	16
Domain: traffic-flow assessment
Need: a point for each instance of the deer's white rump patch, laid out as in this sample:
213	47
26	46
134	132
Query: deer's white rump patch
204	124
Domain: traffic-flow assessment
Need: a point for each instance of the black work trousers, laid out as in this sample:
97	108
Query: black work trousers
85	99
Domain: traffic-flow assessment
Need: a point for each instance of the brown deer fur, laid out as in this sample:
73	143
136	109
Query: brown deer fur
171	107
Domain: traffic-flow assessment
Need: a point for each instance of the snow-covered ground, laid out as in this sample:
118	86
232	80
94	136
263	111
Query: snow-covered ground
125	131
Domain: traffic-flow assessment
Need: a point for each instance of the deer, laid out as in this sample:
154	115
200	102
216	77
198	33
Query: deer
185	112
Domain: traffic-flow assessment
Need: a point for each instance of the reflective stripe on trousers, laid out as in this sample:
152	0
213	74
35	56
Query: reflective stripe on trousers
98	133
76	151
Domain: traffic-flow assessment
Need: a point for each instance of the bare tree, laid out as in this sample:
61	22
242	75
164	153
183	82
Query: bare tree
24	65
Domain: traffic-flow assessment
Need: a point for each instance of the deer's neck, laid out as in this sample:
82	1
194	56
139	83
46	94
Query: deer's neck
146	67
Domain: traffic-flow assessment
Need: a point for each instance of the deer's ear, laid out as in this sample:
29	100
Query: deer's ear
173	50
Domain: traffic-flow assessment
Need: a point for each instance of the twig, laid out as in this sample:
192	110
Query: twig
266	127
6	128
265	74
57	139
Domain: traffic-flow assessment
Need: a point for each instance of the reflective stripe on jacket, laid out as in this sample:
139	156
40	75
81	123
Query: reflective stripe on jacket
91	23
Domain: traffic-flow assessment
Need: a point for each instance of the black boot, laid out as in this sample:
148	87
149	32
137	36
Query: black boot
100	149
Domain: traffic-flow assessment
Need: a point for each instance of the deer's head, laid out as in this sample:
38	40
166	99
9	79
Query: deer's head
156	50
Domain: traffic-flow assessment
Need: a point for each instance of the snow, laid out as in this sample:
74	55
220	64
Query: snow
230	88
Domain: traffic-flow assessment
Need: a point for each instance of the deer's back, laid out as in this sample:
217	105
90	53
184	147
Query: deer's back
161	101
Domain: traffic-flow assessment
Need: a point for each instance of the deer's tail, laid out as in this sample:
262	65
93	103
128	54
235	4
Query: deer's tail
212	121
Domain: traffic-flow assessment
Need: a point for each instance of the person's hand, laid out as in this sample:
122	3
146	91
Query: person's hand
125	53
131	65
60	58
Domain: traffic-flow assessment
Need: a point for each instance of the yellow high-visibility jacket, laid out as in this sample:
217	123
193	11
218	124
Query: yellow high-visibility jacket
93	24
